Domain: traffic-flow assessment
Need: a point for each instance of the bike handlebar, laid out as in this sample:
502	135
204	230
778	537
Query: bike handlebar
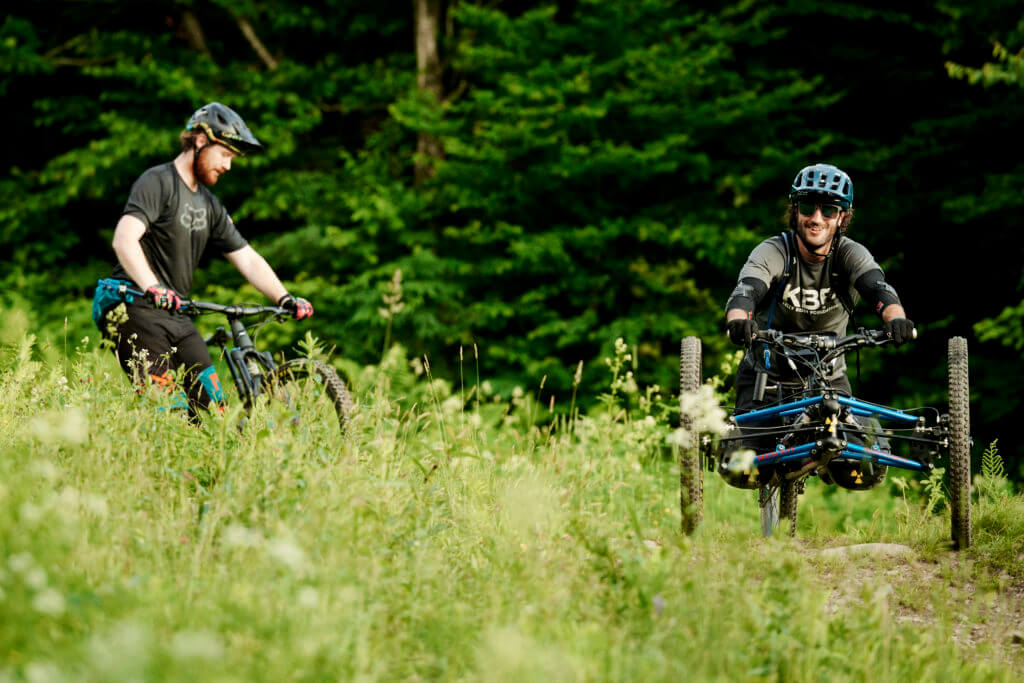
195	307
825	342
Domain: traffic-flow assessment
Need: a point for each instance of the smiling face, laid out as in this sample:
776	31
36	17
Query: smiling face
815	230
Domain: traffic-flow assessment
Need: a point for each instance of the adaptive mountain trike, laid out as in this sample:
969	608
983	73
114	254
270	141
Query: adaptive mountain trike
806	426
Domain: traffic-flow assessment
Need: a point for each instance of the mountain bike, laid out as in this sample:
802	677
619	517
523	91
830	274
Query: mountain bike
804	426
308	388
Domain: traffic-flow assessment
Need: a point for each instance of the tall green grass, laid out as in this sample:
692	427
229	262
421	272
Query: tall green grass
446	538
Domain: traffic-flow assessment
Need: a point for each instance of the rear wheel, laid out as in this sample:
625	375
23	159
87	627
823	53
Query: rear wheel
789	494
959	444
312	391
691	482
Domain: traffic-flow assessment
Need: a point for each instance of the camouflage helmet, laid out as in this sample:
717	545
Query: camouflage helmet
223	126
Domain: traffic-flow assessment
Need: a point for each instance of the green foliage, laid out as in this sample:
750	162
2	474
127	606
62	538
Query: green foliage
991	483
1008	69
933	489
607	167
430	545
992	462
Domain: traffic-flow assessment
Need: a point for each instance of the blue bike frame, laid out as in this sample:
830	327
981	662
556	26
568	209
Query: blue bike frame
851	451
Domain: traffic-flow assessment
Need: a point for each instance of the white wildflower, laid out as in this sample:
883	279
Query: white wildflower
196	645
451	405
30	513
702	410
742	461
20	562
308	597
35	578
95	504
43	672
238	536
68	426
49	602
287	553
46	469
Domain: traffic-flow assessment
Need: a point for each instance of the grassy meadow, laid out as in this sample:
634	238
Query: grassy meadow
448	538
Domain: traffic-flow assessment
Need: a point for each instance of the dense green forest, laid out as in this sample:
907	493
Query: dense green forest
546	176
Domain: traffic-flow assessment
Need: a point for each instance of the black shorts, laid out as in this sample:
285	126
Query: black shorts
150	343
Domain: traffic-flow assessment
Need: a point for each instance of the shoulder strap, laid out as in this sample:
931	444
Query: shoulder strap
838	279
780	286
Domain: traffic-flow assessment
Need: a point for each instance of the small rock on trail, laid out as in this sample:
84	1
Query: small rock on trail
865	549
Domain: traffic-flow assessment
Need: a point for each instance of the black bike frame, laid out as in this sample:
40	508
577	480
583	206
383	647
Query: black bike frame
247	364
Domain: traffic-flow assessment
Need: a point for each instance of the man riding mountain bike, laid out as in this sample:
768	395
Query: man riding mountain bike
807	280
169	221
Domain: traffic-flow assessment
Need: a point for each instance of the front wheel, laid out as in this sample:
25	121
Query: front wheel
959	444
768	502
691	481
312	391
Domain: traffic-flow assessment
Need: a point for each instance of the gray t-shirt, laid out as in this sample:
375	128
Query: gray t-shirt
180	224
809	301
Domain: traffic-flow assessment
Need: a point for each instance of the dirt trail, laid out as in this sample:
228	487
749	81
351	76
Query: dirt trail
985	609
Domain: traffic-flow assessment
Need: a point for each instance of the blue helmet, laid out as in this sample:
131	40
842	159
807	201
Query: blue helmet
823	179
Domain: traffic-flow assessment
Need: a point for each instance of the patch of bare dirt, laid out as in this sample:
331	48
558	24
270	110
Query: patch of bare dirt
984	609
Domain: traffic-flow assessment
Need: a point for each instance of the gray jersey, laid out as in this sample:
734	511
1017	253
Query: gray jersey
180	224
809	300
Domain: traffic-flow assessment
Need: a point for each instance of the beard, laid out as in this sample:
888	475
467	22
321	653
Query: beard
819	240
205	173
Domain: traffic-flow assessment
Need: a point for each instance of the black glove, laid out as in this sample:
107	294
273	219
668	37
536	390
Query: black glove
741	331
900	330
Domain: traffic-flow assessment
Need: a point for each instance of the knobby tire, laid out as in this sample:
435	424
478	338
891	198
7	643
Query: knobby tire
959	444
691	481
789	494
284	385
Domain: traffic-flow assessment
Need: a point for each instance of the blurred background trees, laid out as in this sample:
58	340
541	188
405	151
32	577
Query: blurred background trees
547	176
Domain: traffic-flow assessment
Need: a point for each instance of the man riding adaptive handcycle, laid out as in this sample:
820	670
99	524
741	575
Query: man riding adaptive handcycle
795	414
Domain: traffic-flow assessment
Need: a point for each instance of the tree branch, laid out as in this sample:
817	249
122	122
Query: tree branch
255	42
193	31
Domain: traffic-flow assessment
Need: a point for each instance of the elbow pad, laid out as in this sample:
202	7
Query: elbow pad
873	287
748	293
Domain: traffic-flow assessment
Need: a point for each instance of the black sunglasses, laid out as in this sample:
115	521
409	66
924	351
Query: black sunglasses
827	210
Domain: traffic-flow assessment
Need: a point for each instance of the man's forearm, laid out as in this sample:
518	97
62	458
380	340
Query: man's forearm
893	311
258	272
736	314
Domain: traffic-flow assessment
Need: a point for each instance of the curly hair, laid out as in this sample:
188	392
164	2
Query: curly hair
188	139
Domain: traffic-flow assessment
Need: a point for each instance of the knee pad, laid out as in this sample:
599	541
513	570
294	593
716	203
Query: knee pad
852	474
738	469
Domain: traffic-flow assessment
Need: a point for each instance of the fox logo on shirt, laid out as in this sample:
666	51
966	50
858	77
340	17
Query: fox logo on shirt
194	219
